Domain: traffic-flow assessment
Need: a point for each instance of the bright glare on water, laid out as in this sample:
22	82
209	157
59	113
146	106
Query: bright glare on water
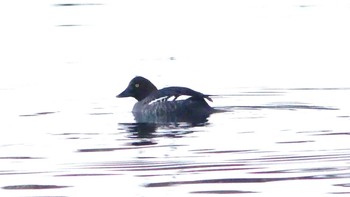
279	69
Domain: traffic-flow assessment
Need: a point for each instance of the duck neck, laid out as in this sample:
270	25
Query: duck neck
147	90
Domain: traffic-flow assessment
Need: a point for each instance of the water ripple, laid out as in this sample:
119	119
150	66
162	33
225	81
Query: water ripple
246	180
33	187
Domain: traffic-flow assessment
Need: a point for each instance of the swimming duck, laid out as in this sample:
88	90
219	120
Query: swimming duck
165	105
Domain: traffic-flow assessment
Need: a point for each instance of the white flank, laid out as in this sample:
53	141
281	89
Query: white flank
182	97
169	98
158	100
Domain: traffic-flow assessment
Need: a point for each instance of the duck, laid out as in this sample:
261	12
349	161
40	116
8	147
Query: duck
166	105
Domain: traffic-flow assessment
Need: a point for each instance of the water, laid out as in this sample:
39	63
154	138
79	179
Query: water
268	148
280	69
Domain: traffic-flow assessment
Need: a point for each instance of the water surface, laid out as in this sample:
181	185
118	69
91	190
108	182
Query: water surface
278	69
268	148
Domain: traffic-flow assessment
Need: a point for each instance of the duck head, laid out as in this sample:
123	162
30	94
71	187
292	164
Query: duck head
139	88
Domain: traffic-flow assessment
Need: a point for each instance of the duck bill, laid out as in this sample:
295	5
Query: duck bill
125	93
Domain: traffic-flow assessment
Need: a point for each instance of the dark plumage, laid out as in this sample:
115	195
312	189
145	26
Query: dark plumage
164	105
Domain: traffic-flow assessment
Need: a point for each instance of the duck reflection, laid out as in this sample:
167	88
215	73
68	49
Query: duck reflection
140	130
171	126
169	118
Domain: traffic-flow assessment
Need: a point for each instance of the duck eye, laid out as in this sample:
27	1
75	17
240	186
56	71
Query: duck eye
137	85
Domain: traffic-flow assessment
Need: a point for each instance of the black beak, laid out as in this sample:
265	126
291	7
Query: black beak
125	93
